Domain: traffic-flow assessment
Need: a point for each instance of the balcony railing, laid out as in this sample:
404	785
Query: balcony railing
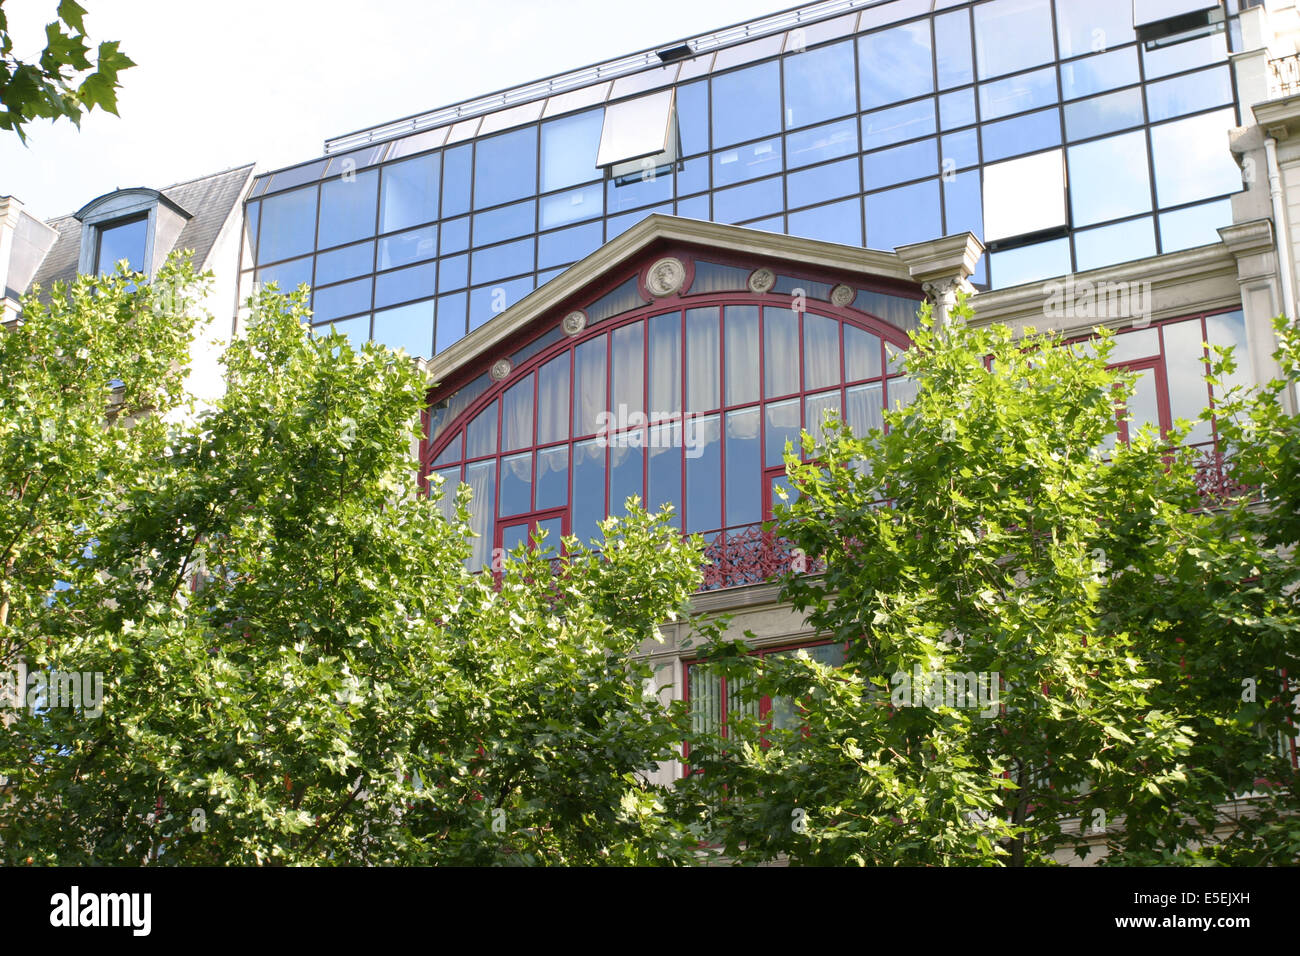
1285	73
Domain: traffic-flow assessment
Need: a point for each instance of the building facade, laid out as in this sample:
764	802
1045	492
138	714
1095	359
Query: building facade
642	277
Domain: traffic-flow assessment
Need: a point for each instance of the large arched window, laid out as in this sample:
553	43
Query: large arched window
689	403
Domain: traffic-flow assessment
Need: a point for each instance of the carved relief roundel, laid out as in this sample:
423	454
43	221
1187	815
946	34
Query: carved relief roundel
665	277
841	295
762	280
574	322
500	369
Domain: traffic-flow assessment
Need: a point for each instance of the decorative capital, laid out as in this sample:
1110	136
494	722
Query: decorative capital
665	277
762	280
501	368
574	322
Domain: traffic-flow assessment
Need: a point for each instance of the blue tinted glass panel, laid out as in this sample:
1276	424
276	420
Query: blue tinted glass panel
1187	55
900	216
333	301
356	331
347	209
516	495
743	163
1192	160
824	142
1104	114
822	183
693	117
963	205
455	273
693	176
770	224
1093	25
573	206
286	275
1012	35
746	104
1018	94
552	478
547	276
456	171
346	263
407	247
953	49
626	468
697	207
403	285
887	127
288	225
498	262
1188	94
639	190
1107	245
451	320
819	85
895	64
1043	260
409	193
957	109
492	300
1196	226
899	164
704	476
782	421
409	327
1023	134
505	167
569	149
568	245
1095	74
1108	178
455	235
744	468
588	490
744	202
123	241
505	223
839	222
959	150
664	471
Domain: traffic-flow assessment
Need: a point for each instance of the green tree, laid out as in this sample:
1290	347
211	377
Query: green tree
1041	641
298	668
63	81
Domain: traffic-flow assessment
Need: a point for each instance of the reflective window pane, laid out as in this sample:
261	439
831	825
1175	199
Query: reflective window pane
516	485
454	273
455	235
551	478
863	408
744	468
895	64
409	193
286	275
568	245
1185	371
347	209
414	282
1186	55
1095	74
508	222
123	241
407	327
345	263
959	150
664	470
498	262
1228	330
553	400
334	301
589	385
861	353
746	162
1093	25
626	471
816	409
830	181
781	421
780	352
1103	114
822	143
746	104
964	209
1012	35
890	166
573	206
1192	159
897	124
1188	94
407	247
635	128
1023	196
481	434
900	216
693	117
639	190
1022	134
740	203
1194	226
489	301
838	222
704	476
1042	260
588	495
505	167
665	364
819	85
288	225
957	109
569	149
1108	178
1018	94
953	49
456	171
517	415
451	320
1108	245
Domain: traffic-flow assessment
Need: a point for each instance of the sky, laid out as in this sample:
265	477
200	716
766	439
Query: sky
227	83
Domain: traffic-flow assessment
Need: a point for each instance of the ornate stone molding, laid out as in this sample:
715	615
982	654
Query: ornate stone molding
665	277
842	295
501	369
574	322
762	280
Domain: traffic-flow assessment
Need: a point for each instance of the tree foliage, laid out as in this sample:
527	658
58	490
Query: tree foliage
63	81
987	539
298	667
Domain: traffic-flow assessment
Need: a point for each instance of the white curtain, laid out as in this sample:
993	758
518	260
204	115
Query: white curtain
589	386
821	352
481	478
628	357
553	401
517	416
702	361
665	365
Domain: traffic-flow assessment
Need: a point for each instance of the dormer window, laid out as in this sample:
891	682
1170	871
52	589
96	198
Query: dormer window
116	241
138	225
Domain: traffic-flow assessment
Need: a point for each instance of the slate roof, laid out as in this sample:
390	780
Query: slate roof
208	199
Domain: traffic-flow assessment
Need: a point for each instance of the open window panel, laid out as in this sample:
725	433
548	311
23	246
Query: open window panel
639	140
